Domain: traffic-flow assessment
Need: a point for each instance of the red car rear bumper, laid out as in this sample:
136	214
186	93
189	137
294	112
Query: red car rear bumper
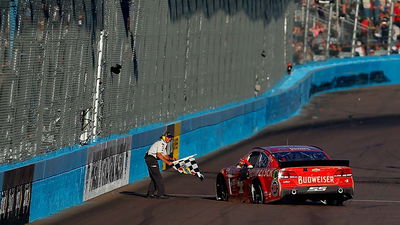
328	192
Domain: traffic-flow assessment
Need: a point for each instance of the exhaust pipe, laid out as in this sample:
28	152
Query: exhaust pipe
294	192
340	190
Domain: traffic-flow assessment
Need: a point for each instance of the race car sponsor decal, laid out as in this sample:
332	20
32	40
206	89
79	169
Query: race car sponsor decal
299	148
316	179
275	175
317	189
263	173
268	173
275	188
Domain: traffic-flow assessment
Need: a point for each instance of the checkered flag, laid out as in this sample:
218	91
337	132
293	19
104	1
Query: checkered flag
188	165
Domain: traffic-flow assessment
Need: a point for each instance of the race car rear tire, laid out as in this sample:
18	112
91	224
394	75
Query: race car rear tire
257	195
222	190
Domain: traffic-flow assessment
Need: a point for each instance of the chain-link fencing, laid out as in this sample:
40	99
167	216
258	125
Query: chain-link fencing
46	81
75	70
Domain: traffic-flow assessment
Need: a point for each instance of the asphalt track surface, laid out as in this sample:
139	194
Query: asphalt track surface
362	125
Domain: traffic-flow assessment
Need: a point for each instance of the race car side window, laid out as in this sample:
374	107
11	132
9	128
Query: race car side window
262	161
253	158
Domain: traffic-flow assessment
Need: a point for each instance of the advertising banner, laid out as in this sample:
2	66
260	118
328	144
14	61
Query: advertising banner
16	196
107	168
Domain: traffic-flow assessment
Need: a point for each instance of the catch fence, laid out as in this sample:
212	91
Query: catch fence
73	71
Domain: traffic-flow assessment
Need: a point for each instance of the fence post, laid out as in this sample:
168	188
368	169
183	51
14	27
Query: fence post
329	29
306	30
337	19
96	98
353	43
390	27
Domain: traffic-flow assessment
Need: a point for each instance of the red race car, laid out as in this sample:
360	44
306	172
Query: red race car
298	173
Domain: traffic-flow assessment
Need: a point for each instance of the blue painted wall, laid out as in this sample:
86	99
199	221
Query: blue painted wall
56	193
138	169
58	180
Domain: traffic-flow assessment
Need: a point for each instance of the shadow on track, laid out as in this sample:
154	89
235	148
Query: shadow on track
212	197
206	197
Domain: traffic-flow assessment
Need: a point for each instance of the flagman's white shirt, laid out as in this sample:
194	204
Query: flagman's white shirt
158	147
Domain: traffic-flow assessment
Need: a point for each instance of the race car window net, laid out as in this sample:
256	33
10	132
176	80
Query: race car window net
263	161
254	158
299	156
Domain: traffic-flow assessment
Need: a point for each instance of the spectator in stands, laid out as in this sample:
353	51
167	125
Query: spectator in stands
366	4
360	49
298	52
318	44
298	33
373	36
384	27
365	25
371	52
395	32
397	45
334	49
379	50
382	32
394	50
345	7
376	8
317	29
320	10
396	12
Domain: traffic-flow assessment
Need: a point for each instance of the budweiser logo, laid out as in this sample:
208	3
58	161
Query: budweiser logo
317	179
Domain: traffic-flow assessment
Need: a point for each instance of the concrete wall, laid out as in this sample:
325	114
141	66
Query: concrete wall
68	177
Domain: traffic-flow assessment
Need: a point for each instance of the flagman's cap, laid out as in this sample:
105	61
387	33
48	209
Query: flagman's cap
168	135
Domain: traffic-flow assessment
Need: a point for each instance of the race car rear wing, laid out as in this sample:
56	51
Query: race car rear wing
315	163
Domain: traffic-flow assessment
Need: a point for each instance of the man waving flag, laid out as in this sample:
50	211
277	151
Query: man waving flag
188	165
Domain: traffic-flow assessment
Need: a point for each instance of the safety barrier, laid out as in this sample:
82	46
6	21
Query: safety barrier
44	185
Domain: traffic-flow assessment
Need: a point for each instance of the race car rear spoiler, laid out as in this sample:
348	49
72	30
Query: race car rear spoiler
315	163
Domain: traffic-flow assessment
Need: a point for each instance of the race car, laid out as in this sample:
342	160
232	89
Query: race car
294	173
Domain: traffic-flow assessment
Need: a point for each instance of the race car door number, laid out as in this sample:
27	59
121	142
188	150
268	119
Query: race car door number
317	189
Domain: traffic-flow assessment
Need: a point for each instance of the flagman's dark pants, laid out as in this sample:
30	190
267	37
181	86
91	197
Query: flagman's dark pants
156	183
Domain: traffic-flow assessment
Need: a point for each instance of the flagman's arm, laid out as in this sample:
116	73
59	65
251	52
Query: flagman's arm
164	158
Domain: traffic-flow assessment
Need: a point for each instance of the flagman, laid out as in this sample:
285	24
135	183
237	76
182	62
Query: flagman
158	151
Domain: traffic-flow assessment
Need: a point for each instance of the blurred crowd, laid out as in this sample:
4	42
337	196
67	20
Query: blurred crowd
372	34
375	17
